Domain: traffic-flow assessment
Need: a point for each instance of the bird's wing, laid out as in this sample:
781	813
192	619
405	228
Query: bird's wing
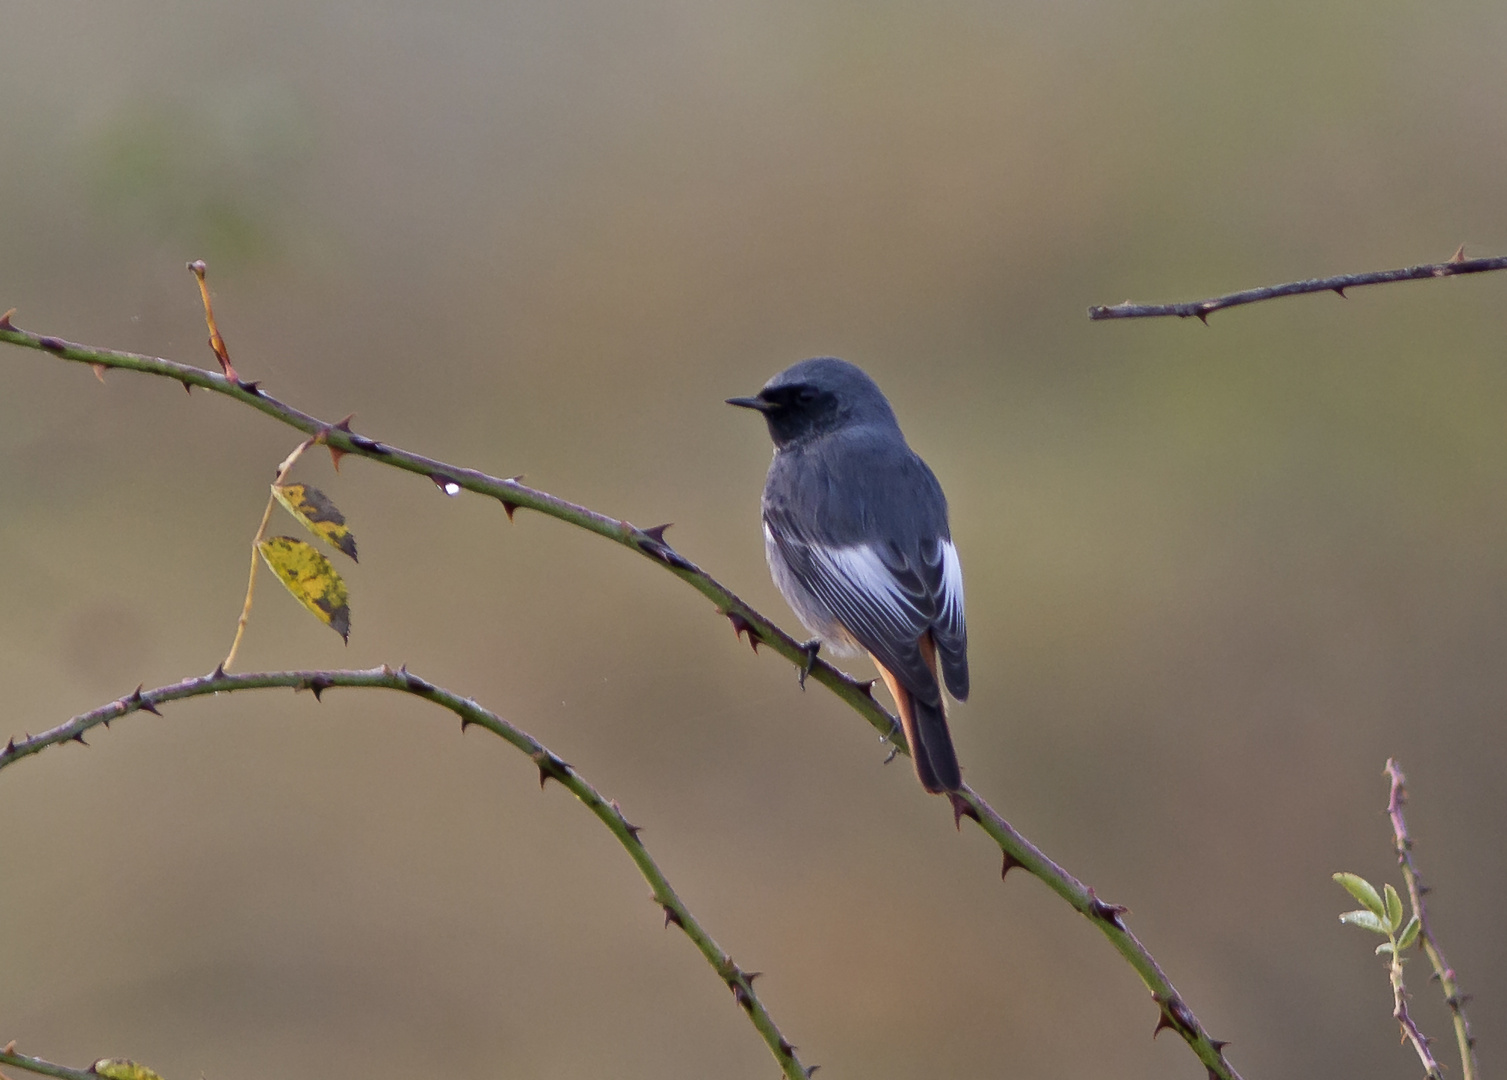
884	598
942	574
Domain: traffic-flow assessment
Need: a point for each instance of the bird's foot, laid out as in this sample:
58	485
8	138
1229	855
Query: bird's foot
810	648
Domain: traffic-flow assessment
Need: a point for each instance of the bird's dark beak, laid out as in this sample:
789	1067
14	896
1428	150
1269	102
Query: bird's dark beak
751	403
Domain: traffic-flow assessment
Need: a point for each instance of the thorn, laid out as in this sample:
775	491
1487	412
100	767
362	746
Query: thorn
142	703
811	1070
1203	316
322	438
1424	890
10	747
1110	913
1339	290
742	626
1459	255
219	672
99	372
1219	1045
1163	1023
5	324
550	768
867	688
750	976
318	685
671	917
1010	863
188	387
810	648
657	534
742	997
252	388
632	829
960	810
78	737
786	1048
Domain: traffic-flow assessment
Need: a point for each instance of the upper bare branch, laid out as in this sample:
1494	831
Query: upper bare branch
1202	309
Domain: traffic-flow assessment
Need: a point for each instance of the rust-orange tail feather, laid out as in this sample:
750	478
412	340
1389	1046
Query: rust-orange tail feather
925	727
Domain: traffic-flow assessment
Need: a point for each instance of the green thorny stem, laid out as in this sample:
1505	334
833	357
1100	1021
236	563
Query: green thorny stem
550	765
1402	843
1017	850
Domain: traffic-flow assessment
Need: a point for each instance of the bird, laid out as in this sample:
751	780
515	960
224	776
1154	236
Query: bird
857	539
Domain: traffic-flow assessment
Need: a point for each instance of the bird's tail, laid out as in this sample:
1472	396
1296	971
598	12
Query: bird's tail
925	727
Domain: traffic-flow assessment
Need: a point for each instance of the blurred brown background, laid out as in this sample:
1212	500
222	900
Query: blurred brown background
1215	576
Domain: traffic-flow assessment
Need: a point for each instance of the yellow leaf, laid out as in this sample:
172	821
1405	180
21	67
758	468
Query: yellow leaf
121	1069
313	508
311	579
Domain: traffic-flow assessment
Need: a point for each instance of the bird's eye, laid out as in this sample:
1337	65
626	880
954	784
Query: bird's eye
806	395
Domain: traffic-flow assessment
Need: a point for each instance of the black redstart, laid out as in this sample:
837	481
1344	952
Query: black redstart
855	530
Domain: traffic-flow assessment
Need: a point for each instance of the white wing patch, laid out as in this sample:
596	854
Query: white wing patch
952	586
865	570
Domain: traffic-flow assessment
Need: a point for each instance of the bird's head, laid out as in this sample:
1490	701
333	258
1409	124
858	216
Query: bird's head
817	397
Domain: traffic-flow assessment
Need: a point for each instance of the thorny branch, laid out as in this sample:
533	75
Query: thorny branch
1404	1019
1202	309
549	764
341	440
1402	843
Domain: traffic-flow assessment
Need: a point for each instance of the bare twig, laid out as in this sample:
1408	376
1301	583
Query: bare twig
1017	850
1202	309
549	764
8	1056
1410	1030
1402	843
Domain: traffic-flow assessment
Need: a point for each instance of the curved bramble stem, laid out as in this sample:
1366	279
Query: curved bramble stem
1402	844
1173	1012
1202	309
549	764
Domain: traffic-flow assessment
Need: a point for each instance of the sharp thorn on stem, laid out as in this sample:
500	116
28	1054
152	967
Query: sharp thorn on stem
742	626
139	702
1110	913
961	809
